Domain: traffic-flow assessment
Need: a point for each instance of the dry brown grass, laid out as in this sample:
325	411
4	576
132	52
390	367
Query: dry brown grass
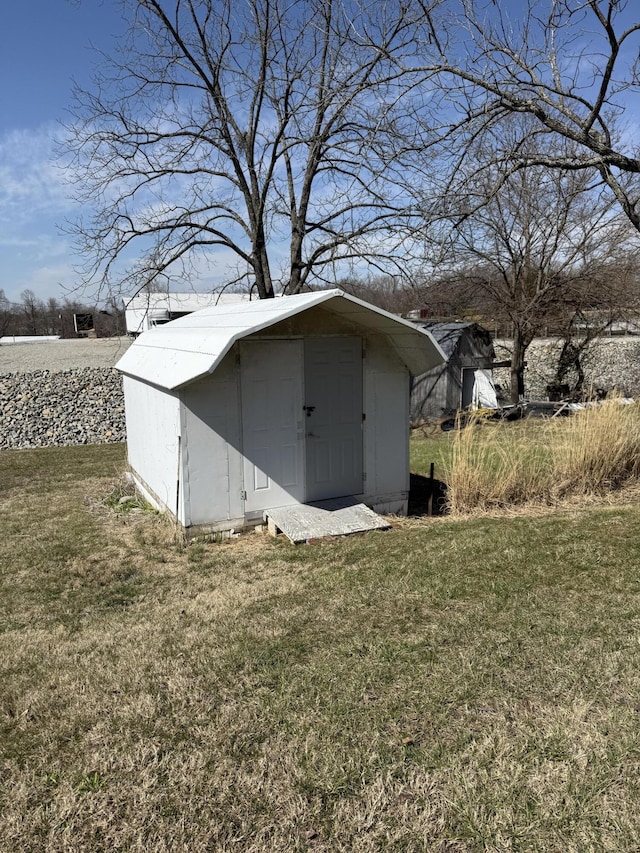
599	449
542	463
452	686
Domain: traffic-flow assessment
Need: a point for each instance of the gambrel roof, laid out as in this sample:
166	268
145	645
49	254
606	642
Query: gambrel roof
184	350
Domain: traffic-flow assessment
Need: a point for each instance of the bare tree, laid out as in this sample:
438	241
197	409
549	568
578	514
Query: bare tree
33	310
570	65
242	126
396	294
51	320
533	242
7	315
606	296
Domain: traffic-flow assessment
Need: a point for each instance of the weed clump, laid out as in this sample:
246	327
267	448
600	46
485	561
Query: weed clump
124	498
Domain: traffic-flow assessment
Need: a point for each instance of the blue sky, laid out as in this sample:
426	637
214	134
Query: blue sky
44	45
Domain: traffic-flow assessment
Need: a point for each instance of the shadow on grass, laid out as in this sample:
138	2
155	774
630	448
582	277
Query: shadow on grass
426	496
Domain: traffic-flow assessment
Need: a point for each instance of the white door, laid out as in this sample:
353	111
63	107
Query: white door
273	423
333	417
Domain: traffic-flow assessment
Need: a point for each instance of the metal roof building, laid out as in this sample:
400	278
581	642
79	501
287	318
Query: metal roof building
464	380
240	408
148	310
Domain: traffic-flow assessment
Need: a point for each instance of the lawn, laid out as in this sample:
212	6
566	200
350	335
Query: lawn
449	685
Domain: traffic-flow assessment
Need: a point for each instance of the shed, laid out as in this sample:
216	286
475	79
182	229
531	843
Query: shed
237	409
463	381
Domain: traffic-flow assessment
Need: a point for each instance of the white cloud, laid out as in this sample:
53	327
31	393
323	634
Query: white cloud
48	280
38	246
31	184
34	199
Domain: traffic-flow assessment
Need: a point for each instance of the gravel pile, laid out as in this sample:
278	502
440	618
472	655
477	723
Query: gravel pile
62	355
43	408
61	393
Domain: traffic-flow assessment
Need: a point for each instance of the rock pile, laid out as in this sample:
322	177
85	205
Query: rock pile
44	408
608	363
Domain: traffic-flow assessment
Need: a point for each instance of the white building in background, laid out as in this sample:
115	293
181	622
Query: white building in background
27	339
147	310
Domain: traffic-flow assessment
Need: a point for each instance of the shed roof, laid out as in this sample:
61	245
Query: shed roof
184	350
448	335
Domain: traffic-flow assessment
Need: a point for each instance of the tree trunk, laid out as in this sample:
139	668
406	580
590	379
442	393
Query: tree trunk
517	366
295	273
569	359
261	268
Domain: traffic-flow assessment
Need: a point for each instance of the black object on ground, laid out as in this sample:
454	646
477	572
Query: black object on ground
423	491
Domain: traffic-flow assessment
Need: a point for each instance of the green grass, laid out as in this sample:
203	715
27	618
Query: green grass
432	445
449	685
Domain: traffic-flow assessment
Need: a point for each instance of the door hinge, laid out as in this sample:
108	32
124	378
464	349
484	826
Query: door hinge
364	477
364	416
243	495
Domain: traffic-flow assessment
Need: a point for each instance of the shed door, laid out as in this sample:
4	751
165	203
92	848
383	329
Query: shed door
468	384
333	417
272	423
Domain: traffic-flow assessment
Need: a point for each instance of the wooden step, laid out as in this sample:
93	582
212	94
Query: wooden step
336	517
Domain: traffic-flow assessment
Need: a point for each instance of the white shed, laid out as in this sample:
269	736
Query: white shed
238	409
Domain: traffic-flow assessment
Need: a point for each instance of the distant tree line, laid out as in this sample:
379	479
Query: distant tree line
35	316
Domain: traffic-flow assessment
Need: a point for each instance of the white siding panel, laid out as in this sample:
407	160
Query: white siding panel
391	433
387	421
212	442
153	429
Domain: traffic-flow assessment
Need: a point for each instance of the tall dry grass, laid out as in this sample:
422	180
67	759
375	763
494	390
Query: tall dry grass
594	452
